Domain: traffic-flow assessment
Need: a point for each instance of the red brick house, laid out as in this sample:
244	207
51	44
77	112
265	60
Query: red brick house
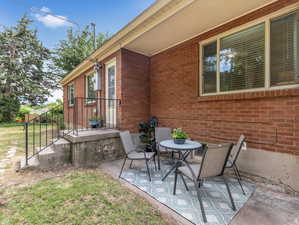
215	68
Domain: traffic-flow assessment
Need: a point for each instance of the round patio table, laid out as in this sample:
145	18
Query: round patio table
183	149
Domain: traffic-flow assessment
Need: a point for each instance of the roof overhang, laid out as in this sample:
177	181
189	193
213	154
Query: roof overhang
167	23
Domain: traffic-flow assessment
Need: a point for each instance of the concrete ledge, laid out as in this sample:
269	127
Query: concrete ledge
92	135
91	147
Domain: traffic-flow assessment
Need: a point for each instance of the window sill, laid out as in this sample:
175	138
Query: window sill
93	103
257	94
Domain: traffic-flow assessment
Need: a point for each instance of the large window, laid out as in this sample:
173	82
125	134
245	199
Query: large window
284	50
71	94
91	87
238	61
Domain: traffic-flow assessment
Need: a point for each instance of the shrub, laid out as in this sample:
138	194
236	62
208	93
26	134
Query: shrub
24	110
9	107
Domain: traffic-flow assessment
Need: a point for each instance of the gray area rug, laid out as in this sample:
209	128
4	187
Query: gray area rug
214	194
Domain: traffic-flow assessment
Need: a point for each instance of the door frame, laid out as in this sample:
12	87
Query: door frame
109	64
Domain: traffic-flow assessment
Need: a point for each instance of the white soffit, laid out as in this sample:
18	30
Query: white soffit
194	19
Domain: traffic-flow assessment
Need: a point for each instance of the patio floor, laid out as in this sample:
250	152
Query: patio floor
265	206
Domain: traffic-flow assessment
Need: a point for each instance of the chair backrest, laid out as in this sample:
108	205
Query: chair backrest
214	160
162	133
237	149
127	142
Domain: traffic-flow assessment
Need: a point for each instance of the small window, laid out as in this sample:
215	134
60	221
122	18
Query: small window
210	68
284	50
91	87
71	94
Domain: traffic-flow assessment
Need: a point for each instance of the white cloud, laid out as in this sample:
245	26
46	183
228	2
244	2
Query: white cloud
50	20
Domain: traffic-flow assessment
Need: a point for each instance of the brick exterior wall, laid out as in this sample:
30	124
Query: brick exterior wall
132	87
167	85
269	119
135	90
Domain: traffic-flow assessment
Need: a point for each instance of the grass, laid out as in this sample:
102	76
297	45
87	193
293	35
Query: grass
82	197
12	135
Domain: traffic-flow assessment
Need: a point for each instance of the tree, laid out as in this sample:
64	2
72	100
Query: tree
25	65
25	69
77	47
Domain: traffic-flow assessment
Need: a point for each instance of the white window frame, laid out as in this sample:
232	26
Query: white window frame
88	101
266	20
68	94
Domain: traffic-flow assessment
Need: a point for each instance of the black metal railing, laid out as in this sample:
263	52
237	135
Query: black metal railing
84	114
43	130
92	113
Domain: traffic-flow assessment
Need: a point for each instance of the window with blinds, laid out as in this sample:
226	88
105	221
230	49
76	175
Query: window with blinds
238	62
284	50
242	59
210	68
91	87
71	94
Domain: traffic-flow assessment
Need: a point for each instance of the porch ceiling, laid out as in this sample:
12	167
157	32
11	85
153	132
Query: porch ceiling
198	17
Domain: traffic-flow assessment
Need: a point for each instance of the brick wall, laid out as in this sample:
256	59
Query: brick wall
135	89
132	87
269	119
86	111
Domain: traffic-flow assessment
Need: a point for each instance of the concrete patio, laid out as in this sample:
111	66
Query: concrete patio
266	206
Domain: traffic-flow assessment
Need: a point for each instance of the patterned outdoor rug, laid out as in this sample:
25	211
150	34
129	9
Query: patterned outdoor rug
214	195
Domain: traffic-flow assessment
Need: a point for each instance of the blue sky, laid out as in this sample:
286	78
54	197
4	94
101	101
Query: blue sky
109	15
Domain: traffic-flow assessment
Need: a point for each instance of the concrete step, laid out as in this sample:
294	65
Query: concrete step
32	163
61	146
51	158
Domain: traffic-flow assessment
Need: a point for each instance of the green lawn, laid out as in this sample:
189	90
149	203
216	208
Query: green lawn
82	197
12	135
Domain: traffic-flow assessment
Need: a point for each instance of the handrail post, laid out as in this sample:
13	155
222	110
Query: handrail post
26	143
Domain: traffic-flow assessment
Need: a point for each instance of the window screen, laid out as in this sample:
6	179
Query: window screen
284	50
210	68
242	59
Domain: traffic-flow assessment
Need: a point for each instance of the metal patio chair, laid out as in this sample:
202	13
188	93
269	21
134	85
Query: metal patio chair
233	159
212	165
132	153
161	134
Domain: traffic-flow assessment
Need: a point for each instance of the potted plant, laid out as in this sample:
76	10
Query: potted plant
179	136
147	133
95	122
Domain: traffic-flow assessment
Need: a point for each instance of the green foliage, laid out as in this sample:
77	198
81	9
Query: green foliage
95	119
77	47
9	107
24	110
179	134
25	65
56	107
147	132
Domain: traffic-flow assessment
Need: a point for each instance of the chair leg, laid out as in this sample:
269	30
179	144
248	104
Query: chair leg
181	175
237	173
159	166
122	167
230	194
131	164
175	181
148	172
200	202
154	159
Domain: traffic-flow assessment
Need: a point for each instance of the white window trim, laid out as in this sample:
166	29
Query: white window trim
68	94
86	88
267	87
